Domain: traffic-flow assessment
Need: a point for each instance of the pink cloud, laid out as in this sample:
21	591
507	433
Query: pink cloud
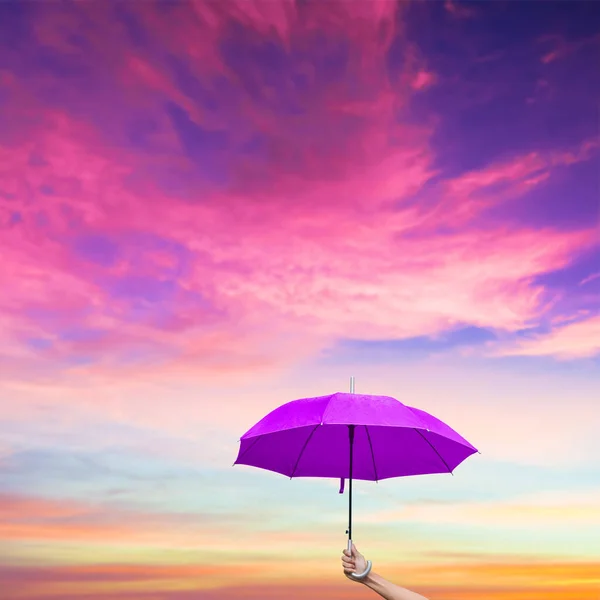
579	339
562	48
314	237
460	10
368	262
423	80
472	192
590	278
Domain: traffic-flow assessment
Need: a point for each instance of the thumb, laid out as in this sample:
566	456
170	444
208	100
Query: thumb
355	552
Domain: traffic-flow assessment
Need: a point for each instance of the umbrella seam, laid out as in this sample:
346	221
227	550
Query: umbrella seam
372	453
303	449
434	449
327	406
412	410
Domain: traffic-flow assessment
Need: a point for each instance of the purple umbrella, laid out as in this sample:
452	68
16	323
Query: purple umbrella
352	436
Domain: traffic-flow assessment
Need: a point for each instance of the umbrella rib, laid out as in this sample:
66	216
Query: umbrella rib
434	449
372	453
249	447
303	449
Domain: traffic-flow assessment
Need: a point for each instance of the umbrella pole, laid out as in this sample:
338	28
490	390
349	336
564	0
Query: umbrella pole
351	435
351	428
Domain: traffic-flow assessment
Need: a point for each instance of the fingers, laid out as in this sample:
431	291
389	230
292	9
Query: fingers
348	563
353	552
351	555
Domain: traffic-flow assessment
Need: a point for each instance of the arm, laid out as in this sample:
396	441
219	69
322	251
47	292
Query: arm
356	562
388	590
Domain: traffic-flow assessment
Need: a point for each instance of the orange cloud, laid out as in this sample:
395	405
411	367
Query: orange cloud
64	520
506	581
535	511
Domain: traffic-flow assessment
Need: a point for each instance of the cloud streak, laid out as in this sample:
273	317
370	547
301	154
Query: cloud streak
576	340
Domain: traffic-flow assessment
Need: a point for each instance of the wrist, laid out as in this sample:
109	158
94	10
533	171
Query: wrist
371	579
367	579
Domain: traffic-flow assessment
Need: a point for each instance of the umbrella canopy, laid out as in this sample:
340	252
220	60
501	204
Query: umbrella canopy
310	438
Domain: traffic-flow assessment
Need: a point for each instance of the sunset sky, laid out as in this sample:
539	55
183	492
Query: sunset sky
210	209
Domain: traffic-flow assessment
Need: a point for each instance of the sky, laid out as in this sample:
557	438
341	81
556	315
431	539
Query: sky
210	209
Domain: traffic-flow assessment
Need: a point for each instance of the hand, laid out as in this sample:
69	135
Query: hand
353	562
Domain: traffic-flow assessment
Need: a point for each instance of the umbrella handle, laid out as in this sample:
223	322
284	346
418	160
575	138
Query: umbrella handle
360	576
